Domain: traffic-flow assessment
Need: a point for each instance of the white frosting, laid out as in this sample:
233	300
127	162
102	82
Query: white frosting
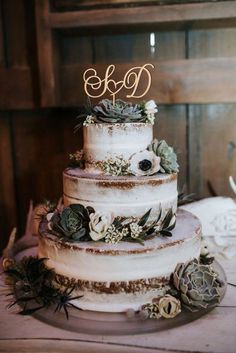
123	196
94	261
116	302
126	267
103	141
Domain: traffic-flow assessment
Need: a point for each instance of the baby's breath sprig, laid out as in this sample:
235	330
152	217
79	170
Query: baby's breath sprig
89	120
114	166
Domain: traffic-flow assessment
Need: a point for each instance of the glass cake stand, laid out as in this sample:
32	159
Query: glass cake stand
90	322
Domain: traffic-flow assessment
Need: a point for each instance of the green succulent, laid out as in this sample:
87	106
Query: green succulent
120	112
72	223
168	157
197	285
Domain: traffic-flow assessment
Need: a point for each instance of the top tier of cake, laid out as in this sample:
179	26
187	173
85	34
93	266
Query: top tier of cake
106	141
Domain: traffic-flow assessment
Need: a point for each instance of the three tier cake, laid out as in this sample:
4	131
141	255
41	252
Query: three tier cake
119	236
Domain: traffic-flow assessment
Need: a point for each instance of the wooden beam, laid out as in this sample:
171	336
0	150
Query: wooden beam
209	80
222	10
46	54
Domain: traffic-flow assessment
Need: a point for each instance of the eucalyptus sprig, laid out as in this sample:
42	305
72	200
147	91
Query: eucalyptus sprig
140	230
31	287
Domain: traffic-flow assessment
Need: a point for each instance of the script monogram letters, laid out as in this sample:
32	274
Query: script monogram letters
96	87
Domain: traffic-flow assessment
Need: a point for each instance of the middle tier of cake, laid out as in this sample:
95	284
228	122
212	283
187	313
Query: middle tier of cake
124	196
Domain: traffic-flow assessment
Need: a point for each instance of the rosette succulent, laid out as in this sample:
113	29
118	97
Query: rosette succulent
72	223
144	163
120	112
168	163
197	285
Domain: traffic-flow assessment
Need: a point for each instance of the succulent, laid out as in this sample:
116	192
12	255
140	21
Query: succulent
168	157
166	306
197	285
72	223
169	306
120	112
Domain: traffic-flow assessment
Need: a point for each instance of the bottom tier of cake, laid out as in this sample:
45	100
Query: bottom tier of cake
118	277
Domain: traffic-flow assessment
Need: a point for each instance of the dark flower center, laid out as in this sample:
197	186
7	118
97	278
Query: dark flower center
145	165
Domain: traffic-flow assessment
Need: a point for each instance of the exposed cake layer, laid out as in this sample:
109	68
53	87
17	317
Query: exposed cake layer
123	196
121	276
104	141
115	303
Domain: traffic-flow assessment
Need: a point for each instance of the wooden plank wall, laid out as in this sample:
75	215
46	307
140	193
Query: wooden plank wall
35	142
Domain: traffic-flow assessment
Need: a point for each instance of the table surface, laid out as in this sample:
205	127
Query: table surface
214	332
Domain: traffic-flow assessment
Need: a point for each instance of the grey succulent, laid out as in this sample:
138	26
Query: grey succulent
197	285
120	112
168	157
72	223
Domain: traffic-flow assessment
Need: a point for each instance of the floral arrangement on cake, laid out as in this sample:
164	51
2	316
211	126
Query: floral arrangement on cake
120	112
158	157
76	223
194	286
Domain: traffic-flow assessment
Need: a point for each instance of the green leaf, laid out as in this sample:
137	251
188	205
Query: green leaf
166	233
144	218
167	219
134	240
172	226
118	221
159	216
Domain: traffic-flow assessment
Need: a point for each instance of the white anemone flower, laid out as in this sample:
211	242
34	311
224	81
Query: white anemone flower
144	163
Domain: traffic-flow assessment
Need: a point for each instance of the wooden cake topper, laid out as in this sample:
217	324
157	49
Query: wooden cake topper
96	87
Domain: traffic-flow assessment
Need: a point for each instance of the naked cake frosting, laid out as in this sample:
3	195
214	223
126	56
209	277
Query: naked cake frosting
119	236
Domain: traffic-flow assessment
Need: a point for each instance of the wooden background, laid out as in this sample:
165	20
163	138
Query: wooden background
45	46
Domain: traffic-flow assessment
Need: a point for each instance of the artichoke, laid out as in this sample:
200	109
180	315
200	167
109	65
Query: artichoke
72	223
120	112
166	153
197	285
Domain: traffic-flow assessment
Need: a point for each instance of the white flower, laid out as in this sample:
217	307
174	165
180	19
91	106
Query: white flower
150	119
135	229
48	218
98	225
151	107
204	249
113	235
144	163
89	120
115	166
169	306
